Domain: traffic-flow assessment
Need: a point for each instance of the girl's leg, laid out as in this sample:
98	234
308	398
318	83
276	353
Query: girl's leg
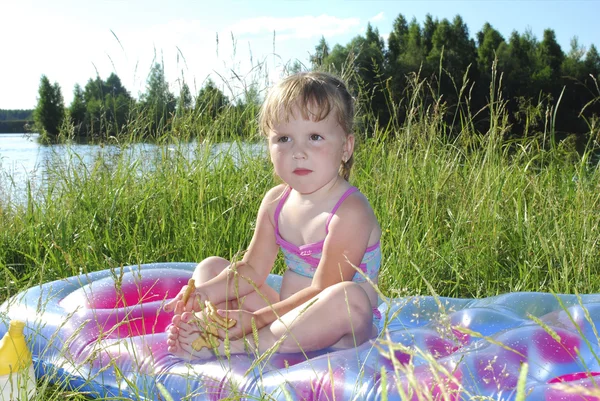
179	332
339	317
212	266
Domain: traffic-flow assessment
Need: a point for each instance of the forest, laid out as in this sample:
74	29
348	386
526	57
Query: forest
534	81
15	121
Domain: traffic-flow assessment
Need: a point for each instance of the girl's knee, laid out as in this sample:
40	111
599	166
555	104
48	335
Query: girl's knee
351	296
346	288
214	260
210	268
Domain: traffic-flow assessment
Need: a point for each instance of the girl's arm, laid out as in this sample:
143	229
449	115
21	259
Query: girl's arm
241	278
349	233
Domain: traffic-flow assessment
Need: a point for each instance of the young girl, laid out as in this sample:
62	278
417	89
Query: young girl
325	228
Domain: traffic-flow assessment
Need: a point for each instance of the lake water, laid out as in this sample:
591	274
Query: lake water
24	161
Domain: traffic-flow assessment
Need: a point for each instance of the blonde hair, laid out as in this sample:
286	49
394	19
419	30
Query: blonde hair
316	95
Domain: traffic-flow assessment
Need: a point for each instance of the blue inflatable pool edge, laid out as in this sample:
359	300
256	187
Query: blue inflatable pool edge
103	333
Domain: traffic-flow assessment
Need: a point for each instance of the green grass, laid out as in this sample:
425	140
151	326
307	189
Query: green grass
476	222
471	216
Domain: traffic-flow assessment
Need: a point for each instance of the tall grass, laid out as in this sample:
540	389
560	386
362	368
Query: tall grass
476	214
471	215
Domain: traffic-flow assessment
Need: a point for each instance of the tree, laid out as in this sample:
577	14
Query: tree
549	60
455	52
429	28
321	53
117	103
463	49
491	46
591	68
93	96
531	73
50	110
488	40
550	53
107	107
362	63
414	54
295	67
572	65
158	102
210	100
441	41
517	62
339	58
77	110
113	86
184	101
397	40
592	62
404	57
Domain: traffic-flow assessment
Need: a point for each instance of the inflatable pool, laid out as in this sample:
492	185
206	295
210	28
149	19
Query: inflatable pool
103	334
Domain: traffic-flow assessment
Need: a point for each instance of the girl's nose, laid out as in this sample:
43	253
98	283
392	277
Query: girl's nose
298	154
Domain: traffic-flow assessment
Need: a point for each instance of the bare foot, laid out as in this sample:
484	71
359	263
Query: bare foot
183	337
187	299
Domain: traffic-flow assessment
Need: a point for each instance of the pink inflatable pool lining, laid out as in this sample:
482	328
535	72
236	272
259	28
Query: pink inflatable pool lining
103	333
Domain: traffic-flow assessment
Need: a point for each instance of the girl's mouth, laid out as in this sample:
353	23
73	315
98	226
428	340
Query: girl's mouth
302	171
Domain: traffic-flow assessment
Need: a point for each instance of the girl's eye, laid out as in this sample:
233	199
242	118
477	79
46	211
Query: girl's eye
283	139
315	137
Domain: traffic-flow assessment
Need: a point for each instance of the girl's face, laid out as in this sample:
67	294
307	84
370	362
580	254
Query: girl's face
307	154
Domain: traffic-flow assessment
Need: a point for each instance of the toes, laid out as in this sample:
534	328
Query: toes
182	333
187	316
176	320
170	306
187	328
172	329
172	335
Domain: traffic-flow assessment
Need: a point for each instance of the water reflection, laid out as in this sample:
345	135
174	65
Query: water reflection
25	162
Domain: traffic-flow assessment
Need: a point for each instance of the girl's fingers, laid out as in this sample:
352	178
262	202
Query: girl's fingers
225	323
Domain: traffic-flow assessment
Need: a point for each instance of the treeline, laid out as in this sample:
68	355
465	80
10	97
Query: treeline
7	115
538	86
535	82
104	108
15	121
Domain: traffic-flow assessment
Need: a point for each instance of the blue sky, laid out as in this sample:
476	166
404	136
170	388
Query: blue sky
72	40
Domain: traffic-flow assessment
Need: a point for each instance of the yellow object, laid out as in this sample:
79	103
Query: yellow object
14	354
17	376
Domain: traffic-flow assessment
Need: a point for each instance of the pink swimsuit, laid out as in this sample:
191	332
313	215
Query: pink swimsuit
304	259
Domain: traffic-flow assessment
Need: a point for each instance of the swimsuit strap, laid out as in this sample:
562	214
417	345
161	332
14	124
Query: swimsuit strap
346	194
284	196
287	192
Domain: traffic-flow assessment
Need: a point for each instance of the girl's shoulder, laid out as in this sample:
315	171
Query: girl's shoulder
356	202
356	207
273	196
275	193
356	215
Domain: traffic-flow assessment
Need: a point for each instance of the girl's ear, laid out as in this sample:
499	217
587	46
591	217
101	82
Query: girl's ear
348	148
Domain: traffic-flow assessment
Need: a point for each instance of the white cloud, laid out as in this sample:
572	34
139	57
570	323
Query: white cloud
377	18
302	27
246	51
